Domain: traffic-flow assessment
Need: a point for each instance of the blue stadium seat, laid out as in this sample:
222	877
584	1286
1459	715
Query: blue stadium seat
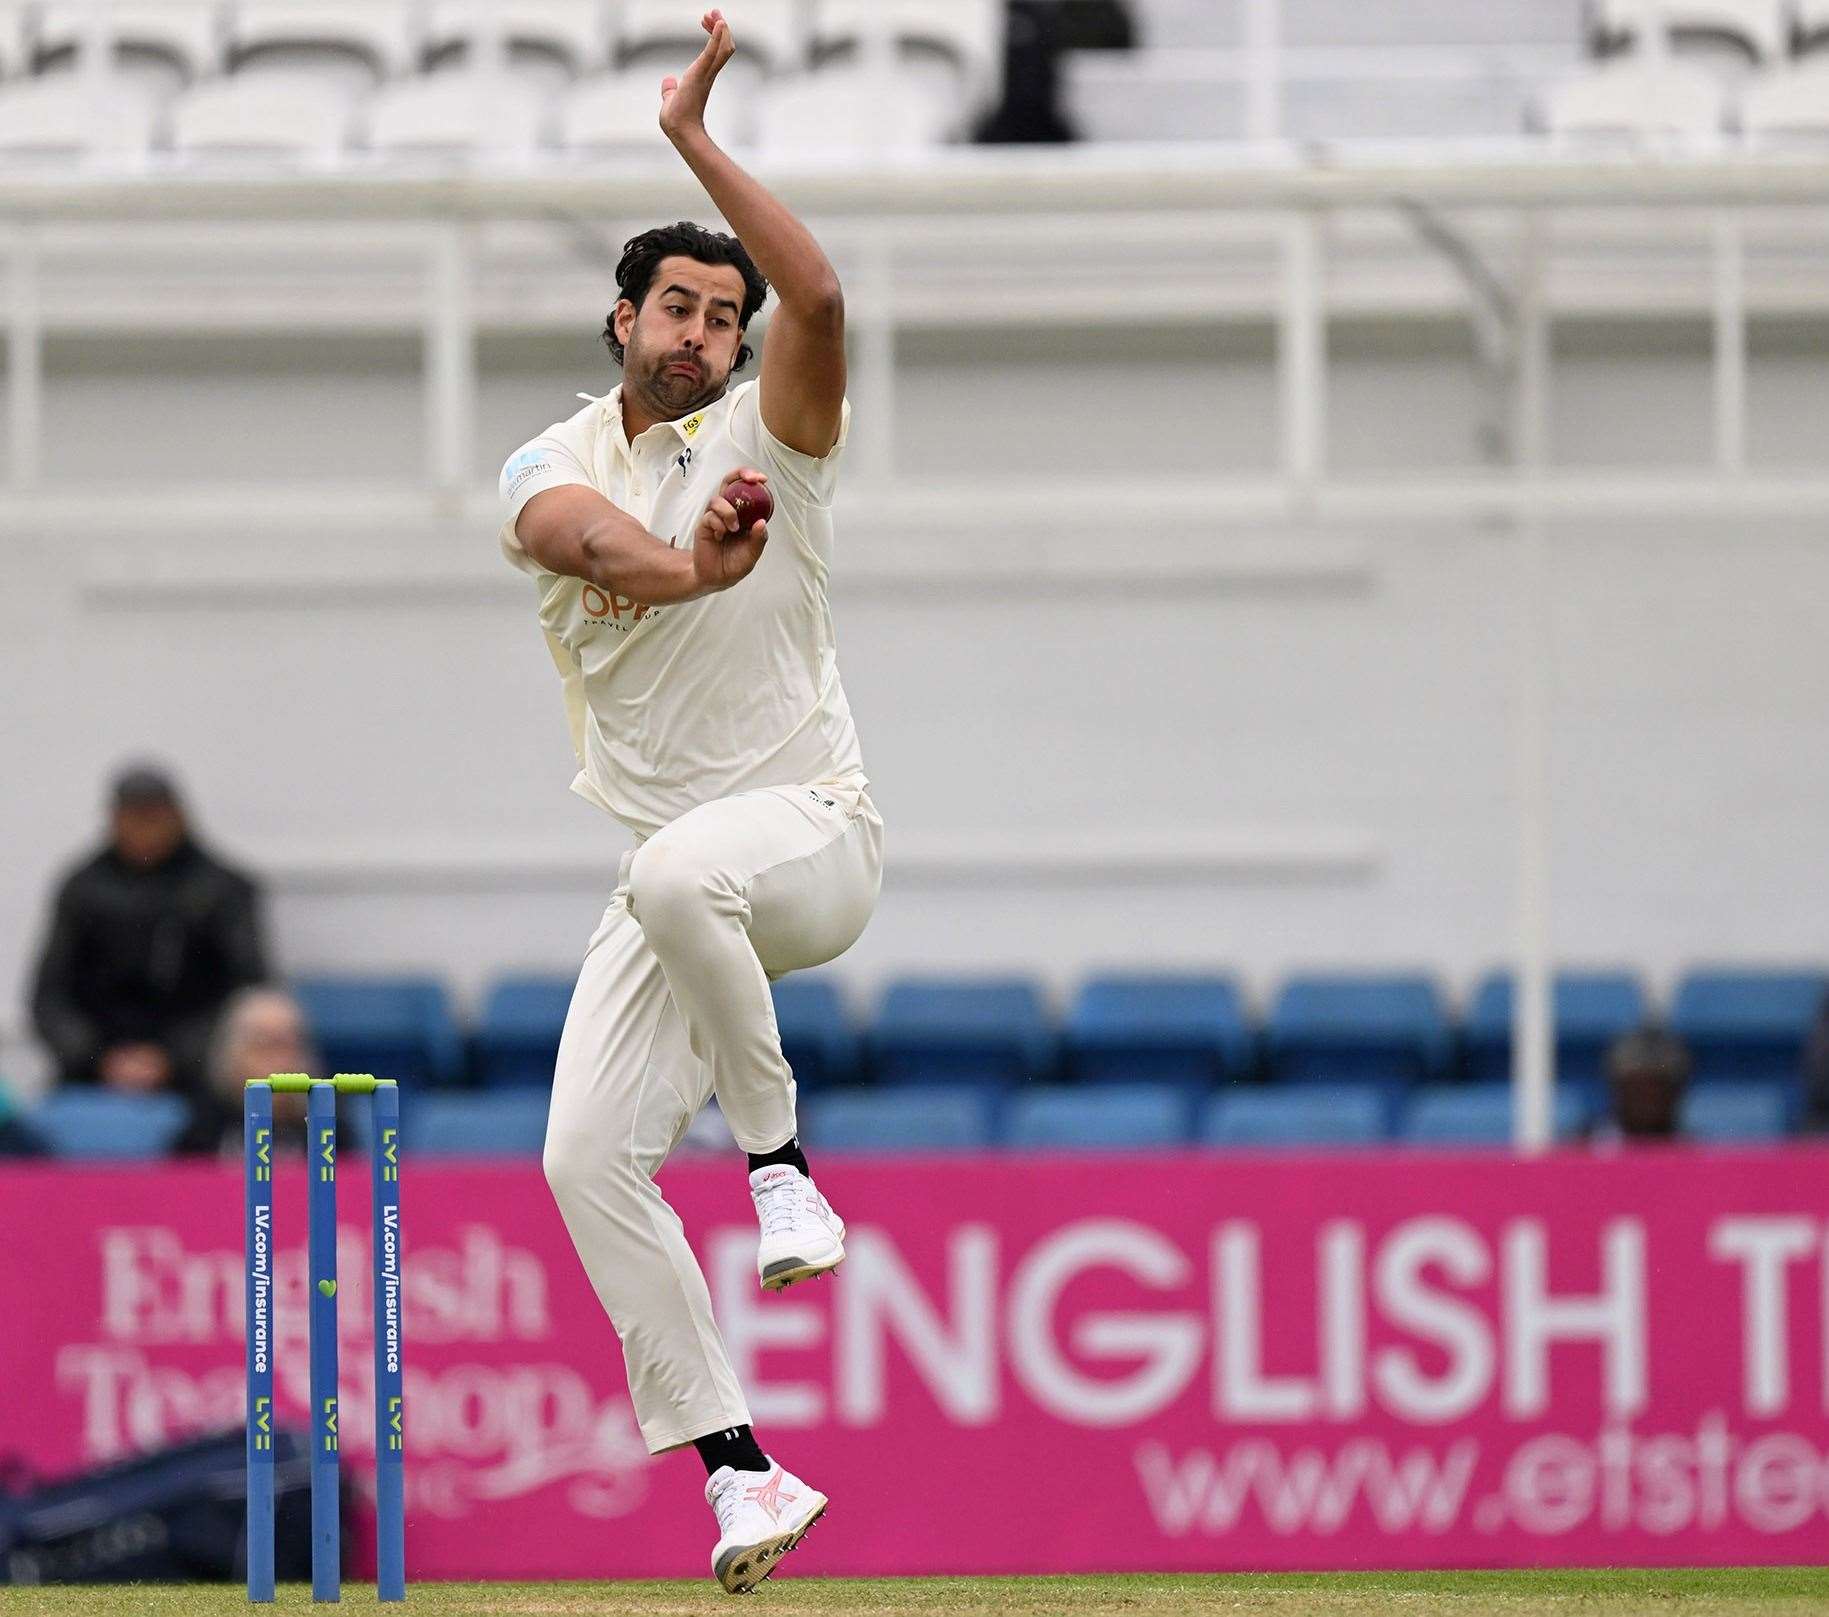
106	1123
990	1031
504	1123
1386	1029
817	1037
1160	1029
1308	1115
1748	1026
517	1037
1591	1010
1111	1117
1736	1112
923	1118
1478	1114
394	1027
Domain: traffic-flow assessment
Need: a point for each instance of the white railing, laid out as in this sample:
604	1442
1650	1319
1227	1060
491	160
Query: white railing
976	237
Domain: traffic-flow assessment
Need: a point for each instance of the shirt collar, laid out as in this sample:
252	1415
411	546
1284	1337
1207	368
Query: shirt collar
685	429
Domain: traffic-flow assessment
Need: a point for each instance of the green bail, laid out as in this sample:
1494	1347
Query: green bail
299	1083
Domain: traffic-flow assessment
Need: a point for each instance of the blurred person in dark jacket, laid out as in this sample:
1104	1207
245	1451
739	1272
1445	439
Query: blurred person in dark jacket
148	938
261	1031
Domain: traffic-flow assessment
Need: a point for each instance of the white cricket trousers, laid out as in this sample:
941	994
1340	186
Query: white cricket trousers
672	1006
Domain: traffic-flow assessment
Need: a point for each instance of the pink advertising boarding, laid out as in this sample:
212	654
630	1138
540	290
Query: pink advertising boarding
1028	1365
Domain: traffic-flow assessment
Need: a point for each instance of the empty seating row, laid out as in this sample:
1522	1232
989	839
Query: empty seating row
273	118
195	39
323	82
1390	1030
1395	1031
1118	1117
1166	94
88	1124
459	114
101	1125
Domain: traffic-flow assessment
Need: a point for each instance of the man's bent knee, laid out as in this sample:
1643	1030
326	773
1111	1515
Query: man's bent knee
577	1165
669	888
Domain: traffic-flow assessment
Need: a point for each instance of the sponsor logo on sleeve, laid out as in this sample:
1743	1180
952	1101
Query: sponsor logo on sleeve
529	463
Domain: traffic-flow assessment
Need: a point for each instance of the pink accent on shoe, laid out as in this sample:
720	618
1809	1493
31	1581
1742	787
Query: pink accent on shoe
770	1497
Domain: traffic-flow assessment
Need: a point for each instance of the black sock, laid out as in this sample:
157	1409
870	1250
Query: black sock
790	1154
735	1446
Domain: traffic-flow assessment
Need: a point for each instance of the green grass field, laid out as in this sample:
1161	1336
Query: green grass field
1718	1592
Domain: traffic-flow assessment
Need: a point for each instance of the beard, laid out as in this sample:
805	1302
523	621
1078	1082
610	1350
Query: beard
673	393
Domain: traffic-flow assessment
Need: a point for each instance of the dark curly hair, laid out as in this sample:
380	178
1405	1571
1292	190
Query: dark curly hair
641	256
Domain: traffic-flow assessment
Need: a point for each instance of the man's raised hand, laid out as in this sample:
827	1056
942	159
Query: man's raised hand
682	100
723	552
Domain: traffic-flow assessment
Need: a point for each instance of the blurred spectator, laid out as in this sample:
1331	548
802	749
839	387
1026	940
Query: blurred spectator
148	938
1036	33
261	1031
1647	1073
1030	112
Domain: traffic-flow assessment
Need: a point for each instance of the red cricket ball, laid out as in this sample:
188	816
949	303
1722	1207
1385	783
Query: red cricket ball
751	501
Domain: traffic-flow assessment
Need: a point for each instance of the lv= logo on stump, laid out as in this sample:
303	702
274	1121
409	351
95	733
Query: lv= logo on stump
321	1157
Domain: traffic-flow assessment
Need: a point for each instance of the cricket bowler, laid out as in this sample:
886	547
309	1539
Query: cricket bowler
701	686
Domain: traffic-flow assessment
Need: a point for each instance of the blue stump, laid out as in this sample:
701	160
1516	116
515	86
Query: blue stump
257	1143
321	1162
390	1425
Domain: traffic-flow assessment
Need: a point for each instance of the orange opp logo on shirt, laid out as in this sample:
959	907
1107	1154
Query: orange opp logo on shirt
598	605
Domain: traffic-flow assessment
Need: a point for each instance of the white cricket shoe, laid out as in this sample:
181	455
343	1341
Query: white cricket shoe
761	1516
801	1235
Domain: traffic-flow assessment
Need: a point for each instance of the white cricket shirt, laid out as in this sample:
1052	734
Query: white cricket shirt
673	706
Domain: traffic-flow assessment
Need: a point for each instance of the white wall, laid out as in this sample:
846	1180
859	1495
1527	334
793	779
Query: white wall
1283	746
